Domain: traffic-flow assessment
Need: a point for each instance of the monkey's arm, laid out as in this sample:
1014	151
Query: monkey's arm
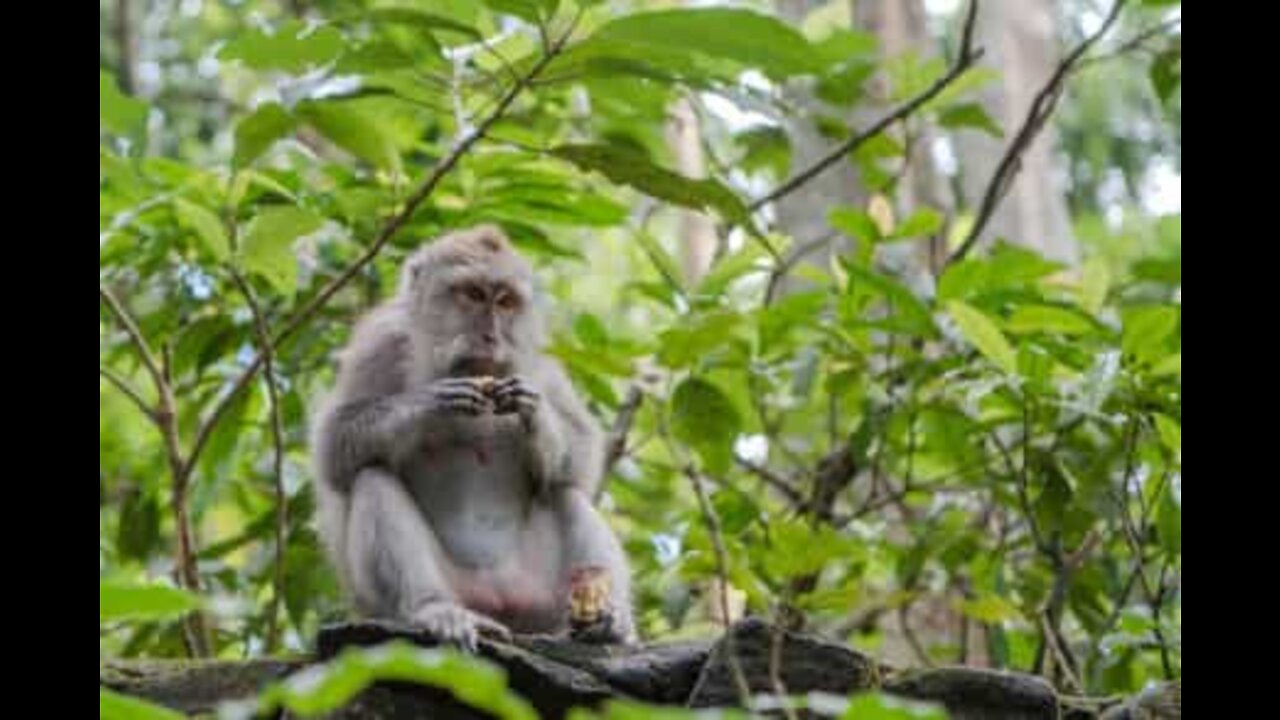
565	445
379	431
589	542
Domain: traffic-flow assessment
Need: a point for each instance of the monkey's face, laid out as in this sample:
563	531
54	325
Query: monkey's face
477	322
472	303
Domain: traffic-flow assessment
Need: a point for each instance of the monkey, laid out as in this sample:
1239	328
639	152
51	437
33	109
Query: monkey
454	461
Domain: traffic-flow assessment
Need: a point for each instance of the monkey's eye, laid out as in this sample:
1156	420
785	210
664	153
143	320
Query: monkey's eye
472	293
507	301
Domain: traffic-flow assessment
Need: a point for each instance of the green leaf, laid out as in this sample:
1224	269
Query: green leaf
267	249
970	115
378	56
703	417
1166	73
1171	365
626	166
354	130
1169	521
661	259
424	20
117	706
911	314
324	688
923	222
527	10
293	48
687	343
1146	329
1048	319
120	113
855	223
878	706
1170	432
1094	283
206	226
128	601
257	132
990	609
139	530
741	36
984	335
750	259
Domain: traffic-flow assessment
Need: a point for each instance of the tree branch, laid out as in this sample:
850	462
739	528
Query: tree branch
135	336
166	419
964	60
388	231
1041	109
772	479
263	334
129	391
616	444
1137	41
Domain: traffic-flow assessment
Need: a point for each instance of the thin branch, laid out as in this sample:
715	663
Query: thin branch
780	270
277	459
166	419
967	56
1060	654
774	480
1041	109
722	570
135	336
129	391
616	445
398	221
1134	43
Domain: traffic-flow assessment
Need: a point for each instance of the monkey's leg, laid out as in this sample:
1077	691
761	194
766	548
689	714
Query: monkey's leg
397	567
589	541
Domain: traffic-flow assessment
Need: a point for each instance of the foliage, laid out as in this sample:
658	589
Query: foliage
1011	432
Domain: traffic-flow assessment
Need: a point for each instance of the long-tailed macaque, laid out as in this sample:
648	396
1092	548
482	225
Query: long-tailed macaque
455	462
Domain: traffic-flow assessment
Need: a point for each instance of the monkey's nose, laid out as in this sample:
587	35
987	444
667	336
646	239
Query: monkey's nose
489	338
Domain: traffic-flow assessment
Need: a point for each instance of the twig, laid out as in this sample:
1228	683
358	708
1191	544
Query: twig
771	478
1041	109
722	570
912	640
1133	43
788	263
616	445
967	56
277	460
135	336
166	420
388	231
1059	654
129	391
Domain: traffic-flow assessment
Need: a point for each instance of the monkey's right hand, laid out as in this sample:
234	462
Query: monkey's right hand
450	623
455	396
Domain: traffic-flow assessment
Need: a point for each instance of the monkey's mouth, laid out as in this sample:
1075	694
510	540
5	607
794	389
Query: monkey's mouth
473	366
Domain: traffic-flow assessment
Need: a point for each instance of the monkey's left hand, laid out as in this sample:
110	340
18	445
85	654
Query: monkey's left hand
512	395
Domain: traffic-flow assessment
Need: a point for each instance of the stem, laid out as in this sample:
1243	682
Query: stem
277	460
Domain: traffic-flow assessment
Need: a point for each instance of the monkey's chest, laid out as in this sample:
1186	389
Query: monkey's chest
474	489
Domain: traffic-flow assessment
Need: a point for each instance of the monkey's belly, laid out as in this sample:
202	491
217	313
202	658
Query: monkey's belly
502	545
518	582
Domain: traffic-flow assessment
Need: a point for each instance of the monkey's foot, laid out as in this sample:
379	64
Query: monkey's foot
456	625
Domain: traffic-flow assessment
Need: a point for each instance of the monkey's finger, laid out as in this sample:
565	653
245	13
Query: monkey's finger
464	400
492	628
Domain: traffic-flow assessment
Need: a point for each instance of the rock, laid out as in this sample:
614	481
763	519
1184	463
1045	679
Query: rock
974	694
806	664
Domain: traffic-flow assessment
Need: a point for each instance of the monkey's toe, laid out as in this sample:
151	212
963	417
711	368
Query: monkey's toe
452	624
